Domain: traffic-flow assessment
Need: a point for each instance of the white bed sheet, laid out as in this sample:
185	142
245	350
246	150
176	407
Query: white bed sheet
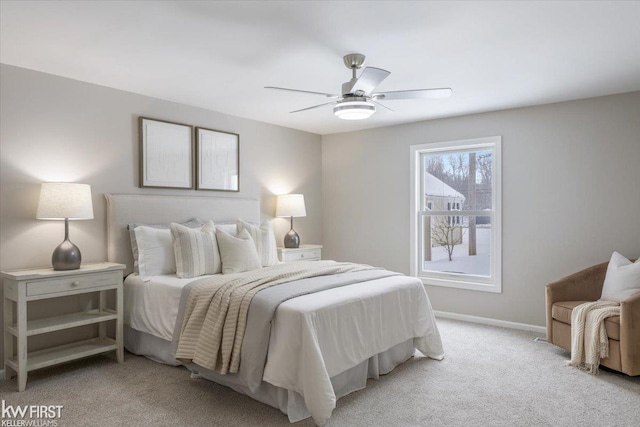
152	306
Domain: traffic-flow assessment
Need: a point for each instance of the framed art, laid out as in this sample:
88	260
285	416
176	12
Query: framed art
217	160
166	154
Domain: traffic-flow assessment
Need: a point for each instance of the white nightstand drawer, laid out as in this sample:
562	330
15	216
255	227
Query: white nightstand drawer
303	253
71	283
310	255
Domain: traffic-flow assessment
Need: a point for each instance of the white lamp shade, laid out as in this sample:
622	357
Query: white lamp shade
60	200
291	205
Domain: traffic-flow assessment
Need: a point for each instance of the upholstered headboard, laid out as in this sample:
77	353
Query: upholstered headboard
124	209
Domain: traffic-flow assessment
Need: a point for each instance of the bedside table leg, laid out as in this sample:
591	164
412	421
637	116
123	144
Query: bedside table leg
8	339
102	305
22	381
119	324
21	351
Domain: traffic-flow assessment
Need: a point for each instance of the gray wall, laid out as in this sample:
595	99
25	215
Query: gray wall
571	178
58	129
571	196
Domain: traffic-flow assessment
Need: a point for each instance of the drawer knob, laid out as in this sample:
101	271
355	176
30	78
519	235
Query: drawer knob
301	255
75	284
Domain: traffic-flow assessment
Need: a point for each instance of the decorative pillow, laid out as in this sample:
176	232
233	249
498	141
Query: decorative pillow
155	252
228	227
192	223
622	279
238	253
264	239
196	250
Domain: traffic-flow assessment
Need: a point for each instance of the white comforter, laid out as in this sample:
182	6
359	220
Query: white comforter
313	337
317	336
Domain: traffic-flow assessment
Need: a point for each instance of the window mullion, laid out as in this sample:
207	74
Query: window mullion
456	213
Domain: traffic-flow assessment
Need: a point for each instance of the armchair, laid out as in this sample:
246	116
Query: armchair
623	331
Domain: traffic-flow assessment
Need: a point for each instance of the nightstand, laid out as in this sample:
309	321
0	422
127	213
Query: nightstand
22	286
303	253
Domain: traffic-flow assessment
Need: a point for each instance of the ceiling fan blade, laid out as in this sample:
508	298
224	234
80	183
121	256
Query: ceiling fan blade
328	95
383	106
315	106
444	92
369	79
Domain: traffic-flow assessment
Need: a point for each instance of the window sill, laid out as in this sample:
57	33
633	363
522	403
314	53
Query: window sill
462	284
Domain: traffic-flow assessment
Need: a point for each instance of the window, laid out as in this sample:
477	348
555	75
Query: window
456	214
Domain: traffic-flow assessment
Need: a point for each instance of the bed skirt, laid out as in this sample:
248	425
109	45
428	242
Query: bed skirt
143	344
289	402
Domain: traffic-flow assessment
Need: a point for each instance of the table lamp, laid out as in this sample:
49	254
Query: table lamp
291	205
68	201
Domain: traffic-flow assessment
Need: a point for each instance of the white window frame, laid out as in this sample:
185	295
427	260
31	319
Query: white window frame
453	280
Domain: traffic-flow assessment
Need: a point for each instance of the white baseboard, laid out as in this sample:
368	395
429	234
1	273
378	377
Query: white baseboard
492	322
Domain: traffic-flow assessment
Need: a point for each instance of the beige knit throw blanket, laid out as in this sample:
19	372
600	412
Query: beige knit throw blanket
589	341
215	314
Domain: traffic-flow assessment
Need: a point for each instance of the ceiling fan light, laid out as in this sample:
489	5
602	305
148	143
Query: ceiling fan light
354	110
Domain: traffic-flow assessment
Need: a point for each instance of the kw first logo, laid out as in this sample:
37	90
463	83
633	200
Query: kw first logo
30	415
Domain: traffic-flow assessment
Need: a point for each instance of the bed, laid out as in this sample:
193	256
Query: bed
317	346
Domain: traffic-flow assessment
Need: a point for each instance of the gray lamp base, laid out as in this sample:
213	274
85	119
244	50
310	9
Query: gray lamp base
291	239
66	256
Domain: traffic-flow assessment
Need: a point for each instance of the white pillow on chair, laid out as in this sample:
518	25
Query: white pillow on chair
622	279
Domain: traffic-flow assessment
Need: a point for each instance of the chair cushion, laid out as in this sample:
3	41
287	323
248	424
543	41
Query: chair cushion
561	311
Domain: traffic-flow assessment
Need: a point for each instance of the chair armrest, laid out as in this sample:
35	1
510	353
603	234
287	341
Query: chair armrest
585	285
630	335
630	310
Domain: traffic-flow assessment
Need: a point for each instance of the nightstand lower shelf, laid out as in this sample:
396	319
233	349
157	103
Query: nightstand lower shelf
65	353
51	324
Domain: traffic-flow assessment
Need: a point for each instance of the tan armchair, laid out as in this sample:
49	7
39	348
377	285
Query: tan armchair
623	331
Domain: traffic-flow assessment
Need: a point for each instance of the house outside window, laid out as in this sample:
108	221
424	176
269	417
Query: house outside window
456	214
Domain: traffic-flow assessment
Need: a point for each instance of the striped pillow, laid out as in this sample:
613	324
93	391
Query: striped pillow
264	239
196	250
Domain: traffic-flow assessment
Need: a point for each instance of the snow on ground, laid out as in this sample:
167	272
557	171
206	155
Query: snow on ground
461	261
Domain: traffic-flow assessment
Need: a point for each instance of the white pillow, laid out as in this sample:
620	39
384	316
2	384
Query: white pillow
238	254
622	279
192	223
155	252
228	227
264	239
196	251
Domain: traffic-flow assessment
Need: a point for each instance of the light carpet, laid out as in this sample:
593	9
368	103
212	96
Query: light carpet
490	377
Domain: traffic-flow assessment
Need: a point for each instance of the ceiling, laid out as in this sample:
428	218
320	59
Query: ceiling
219	56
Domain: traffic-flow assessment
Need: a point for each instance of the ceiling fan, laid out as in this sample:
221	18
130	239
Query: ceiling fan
358	101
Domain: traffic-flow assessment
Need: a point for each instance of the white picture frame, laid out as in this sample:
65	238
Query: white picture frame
166	154
217	160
